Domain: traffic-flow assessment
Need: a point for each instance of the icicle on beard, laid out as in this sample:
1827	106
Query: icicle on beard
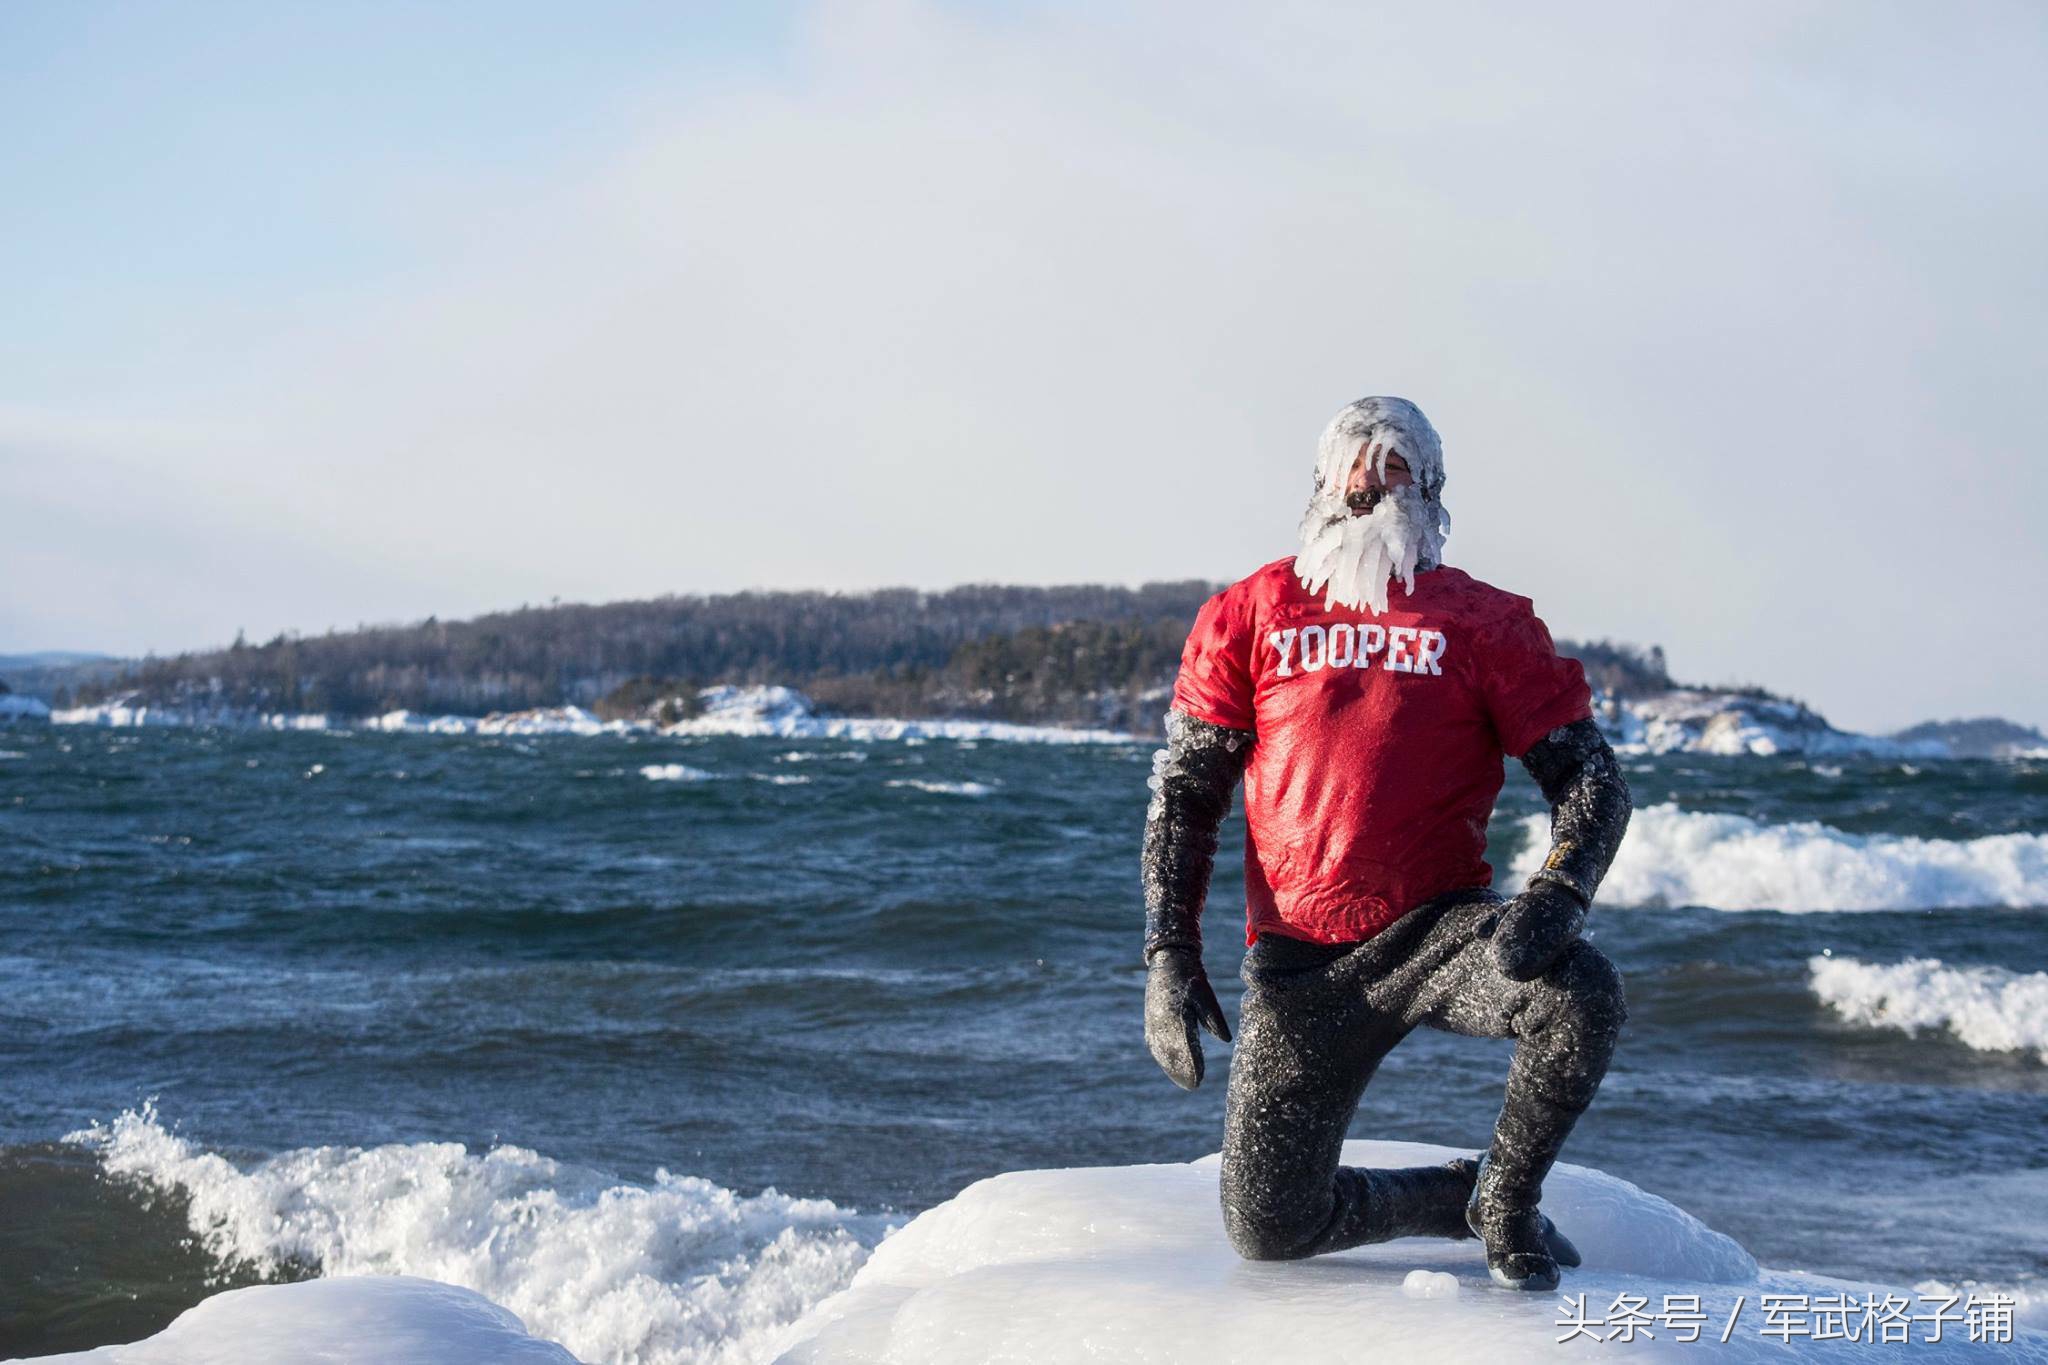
1357	557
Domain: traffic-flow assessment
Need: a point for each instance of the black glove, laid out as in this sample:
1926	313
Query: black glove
1535	928
1178	997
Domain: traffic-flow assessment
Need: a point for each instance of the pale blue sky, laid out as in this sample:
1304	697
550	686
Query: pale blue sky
1732	317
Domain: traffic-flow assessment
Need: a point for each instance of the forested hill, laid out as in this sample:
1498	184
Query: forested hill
1086	654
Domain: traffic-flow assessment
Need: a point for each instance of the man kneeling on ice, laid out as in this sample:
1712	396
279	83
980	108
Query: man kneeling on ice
1366	694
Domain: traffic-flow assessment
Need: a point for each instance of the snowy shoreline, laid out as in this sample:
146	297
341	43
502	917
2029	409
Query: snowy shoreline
762	712
1688	721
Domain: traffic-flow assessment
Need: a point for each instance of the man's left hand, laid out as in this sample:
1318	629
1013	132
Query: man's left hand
1535	928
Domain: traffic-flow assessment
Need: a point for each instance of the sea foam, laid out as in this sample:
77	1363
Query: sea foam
1988	1008
1731	862
677	1270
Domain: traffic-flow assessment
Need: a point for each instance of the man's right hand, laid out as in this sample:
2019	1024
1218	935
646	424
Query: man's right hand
1177	998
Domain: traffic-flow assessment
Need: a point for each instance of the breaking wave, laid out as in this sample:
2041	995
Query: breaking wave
674	772
678	1270
1989	1008
943	788
1731	862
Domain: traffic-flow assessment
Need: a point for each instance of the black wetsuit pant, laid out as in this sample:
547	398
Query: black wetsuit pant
1317	1019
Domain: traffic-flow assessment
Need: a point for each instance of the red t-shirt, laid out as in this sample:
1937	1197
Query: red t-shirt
1379	738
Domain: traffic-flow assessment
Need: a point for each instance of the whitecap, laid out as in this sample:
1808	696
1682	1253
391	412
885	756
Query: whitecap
1991	1009
1731	862
943	788
674	772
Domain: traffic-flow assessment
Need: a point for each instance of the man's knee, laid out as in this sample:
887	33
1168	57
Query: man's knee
1591	986
1265	1234
1269	1222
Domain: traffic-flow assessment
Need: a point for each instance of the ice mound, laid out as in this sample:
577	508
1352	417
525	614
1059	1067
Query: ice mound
1988	1008
1731	862
357	1320
1130	1264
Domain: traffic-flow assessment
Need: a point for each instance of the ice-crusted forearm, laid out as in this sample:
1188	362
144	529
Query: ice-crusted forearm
1191	784
1589	805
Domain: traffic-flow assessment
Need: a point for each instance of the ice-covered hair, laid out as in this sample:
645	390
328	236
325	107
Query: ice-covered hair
1394	424
1349	560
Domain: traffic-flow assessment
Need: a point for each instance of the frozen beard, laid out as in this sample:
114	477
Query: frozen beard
1351	558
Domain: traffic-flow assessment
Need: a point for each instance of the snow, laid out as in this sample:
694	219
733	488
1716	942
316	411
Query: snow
785	713
1731	862
1130	1264
759	711
1988	1008
1686	721
15	707
1730	724
1107	1263
358	1320
543	720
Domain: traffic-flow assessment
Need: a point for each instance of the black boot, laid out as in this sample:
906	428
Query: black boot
1523	1248
1419	1201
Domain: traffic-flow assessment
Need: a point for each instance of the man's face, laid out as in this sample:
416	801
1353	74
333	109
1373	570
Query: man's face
1363	487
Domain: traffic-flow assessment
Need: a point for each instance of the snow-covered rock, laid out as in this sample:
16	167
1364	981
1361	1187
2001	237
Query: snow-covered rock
1982	737
130	711
15	708
1130	1264
412	722
555	720
1733	724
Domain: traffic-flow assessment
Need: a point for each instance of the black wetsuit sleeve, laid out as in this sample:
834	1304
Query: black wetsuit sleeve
1192	780
1589	805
